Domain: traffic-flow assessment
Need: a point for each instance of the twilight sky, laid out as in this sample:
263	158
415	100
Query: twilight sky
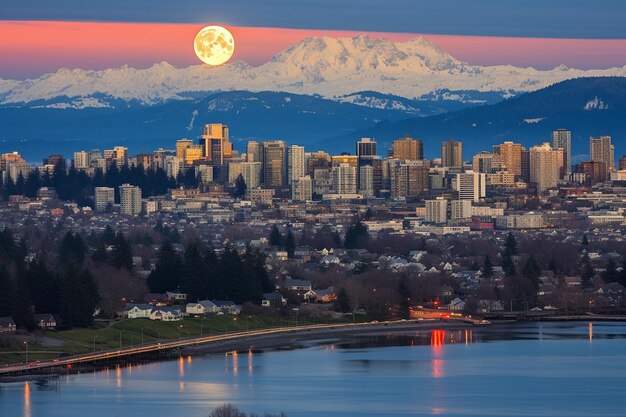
39	36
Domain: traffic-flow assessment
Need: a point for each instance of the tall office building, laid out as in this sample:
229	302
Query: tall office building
487	162
302	189
217	148
601	150
366	181
510	157
452	153
409	178
273	159
622	163
253	152
130	200
250	171
545	166
105	198
81	160
437	211
562	139
351	160
188	152
344	179
471	185
317	160
366	147
120	156
295	163
407	149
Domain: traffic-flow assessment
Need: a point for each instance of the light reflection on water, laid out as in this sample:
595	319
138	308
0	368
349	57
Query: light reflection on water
539	369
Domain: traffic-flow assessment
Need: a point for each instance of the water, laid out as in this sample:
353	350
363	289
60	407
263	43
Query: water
549	369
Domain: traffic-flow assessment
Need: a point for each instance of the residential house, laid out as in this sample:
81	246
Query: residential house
45	321
166	314
273	299
7	325
227	307
137	311
201	308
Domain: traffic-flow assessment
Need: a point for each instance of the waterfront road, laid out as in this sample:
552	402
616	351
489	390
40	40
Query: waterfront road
69	361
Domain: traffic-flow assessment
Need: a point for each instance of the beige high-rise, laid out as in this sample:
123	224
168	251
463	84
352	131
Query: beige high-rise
452	153
601	150
273	159
217	148
408	149
545	166
510	156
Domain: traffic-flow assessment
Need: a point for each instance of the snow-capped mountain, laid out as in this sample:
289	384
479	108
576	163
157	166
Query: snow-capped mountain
330	67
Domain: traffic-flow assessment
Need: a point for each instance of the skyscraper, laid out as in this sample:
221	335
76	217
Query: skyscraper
366	147
344	179
409	178
295	163
250	171
470	185
302	189
81	160
407	149
562	139
601	150
452	153
105	197
545	166
130	200
437	211
273	159
217	148
510	157
253	152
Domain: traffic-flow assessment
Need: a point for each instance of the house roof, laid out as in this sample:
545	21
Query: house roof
6	321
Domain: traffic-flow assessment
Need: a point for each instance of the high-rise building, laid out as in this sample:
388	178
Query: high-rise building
366	147
622	163
217	148
316	160
53	159
487	162
562	139
351	160
130	200
295	163
471	185
81	160
409	178
460	209
273	159
120	155
594	172
437	211
253	151
344	179
510	157
452	153
366	181
408	149
601	150
250	171
302	189
181	145
105	198
545	166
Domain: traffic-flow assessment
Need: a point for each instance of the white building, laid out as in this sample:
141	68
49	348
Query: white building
81	160
302	189
295	163
460	209
250	171
436	211
344	179
471	185
130	200
105	197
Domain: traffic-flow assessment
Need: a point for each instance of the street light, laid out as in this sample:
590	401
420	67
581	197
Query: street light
26	343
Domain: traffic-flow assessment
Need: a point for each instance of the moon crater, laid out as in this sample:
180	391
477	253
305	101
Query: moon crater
214	45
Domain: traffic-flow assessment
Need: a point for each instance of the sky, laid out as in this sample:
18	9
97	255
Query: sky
41	36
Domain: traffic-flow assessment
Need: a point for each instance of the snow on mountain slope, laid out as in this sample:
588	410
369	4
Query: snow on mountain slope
331	67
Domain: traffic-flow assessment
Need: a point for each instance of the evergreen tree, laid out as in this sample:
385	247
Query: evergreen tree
342	304
532	271
510	250
240	187
610	274
276	239
405	298
585	241
78	296
356	237
21	304
6	293
72	249
487	268
194	282
43	286
166	275
290	243
122	253
587	271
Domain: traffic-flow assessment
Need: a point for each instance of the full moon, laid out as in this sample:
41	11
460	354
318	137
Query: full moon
214	45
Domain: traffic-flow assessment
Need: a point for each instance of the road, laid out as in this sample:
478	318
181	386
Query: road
181	343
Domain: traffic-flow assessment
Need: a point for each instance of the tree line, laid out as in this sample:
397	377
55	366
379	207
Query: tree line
76	185
203	273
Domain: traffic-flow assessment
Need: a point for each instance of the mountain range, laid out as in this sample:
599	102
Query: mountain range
321	92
